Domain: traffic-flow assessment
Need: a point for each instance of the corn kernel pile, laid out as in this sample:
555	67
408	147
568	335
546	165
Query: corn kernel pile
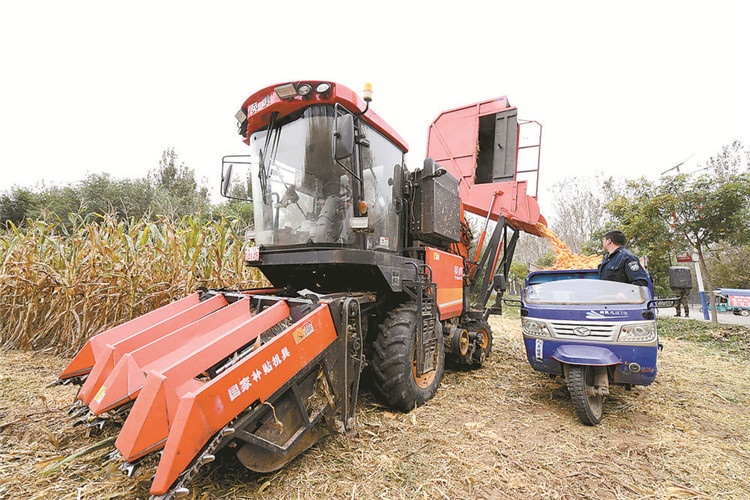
564	258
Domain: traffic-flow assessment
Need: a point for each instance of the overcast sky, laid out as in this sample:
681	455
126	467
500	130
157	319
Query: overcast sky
622	88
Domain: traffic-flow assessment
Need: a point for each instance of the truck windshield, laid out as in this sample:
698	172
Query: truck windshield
300	194
585	291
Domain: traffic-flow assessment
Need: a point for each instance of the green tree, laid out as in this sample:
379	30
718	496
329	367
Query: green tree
517	275
729	265
690	211
177	192
17	204
633	211
578	206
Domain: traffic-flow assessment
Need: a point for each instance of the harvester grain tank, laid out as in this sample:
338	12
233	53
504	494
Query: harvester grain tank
371	278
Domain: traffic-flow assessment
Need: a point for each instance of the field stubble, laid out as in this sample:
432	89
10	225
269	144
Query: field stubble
499	432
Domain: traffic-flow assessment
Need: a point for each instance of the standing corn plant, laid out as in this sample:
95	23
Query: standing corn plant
64	283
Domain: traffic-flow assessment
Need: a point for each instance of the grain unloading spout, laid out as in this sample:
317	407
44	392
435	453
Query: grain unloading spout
479	145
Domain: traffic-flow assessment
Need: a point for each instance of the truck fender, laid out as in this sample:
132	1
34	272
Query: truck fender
585	355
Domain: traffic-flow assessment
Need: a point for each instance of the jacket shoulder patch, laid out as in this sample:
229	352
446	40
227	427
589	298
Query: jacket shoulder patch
633	265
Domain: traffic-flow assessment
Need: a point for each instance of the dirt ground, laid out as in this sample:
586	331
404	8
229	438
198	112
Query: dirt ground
499	432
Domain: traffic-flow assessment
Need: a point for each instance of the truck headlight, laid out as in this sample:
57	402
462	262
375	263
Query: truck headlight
535	327
638	332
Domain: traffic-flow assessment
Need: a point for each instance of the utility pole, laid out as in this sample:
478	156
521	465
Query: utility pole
699	277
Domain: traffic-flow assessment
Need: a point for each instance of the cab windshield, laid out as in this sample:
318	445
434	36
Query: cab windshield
302	196
585	291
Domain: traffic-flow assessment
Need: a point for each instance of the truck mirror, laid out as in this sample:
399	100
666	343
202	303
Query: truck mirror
498	282
343	144
226	178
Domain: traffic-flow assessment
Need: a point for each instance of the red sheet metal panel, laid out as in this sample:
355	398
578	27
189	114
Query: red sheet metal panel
113	351
129	374
148	423
448	275
453	142
84	361
206	410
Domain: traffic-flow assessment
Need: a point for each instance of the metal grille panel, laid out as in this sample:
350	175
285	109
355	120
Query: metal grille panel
598	331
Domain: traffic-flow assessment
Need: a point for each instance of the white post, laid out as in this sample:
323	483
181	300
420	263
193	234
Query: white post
699	277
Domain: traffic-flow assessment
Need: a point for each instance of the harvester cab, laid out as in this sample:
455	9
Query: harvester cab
371	279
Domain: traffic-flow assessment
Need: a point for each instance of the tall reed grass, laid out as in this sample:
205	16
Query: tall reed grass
62	283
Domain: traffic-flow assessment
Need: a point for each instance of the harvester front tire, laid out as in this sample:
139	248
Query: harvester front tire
588	408
393	361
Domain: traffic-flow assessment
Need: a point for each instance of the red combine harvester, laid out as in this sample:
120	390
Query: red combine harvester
372	280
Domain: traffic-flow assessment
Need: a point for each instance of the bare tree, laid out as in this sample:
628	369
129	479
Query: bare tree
579	209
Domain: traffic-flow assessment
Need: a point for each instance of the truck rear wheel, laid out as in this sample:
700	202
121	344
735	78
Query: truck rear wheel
394	361
588	405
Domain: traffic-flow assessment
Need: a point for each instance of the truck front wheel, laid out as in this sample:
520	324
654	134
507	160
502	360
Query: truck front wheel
394	361
587	403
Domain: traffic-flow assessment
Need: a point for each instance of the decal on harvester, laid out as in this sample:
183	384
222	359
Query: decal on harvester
259	106
252	254
244	384
100	394
458	273
302	332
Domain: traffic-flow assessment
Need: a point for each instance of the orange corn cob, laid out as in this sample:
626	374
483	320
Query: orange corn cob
564	257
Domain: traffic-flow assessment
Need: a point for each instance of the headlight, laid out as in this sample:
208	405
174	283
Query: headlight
638	332
286	91
534	327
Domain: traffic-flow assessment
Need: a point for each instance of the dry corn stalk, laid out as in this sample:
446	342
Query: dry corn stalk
564	257
62	284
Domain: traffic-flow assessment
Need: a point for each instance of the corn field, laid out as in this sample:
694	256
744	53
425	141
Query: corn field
62	283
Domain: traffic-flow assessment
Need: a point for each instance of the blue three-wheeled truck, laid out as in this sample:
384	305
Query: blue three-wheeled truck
593	333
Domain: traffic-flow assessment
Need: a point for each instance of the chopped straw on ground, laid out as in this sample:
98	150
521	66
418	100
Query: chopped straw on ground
502	431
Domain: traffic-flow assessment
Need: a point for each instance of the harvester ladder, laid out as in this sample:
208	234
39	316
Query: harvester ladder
533	145
423	291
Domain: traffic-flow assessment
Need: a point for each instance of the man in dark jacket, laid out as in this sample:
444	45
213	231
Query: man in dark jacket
620	264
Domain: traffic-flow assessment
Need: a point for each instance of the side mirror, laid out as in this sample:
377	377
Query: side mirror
343	137
235	177
226	179
657	303
498	283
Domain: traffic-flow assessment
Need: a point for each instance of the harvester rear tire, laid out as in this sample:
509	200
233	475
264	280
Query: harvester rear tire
393	361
